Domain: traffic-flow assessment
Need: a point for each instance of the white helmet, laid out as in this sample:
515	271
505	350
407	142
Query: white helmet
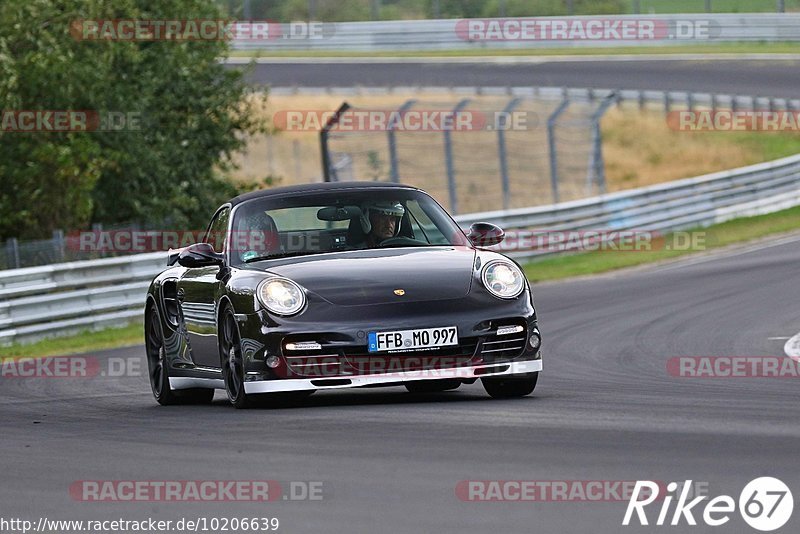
384	207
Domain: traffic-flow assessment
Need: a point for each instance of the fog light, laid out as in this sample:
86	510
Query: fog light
505	330
272	361
534	341
303	345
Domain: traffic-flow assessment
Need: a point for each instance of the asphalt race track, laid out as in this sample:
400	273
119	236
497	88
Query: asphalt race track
605	409
770	78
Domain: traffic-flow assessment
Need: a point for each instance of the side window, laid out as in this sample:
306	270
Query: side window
218	230
424	227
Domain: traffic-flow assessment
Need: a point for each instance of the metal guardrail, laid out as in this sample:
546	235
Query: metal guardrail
690	203
453	34
66	298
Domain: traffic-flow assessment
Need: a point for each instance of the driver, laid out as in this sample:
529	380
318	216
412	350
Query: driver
380	220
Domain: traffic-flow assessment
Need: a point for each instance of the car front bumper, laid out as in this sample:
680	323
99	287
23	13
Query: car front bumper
386	379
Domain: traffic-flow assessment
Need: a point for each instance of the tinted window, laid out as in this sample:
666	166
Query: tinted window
218	230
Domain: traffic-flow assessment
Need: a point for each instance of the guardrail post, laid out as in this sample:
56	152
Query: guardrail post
448	159
714	102
690	100
551	140
12	253
394	171
734	103
328	172
667	102
501	125
642	101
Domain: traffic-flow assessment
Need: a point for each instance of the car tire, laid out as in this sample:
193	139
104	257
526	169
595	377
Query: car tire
232	362
507	387
158	367
432	386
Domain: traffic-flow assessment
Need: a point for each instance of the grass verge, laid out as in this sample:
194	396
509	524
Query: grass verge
84	342
720	48
719	235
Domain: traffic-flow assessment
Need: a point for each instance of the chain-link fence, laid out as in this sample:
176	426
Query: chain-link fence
497	152
102	241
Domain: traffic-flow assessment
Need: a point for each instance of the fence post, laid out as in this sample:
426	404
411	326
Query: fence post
58	245
551	140
448	160
390	134
636	7
12	252
597	172
501	150
328	172
781	7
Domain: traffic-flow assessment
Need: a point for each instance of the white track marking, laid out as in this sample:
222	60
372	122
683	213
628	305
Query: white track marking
792	348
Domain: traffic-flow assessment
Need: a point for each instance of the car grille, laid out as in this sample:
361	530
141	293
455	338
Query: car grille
317	365
500	348
444	358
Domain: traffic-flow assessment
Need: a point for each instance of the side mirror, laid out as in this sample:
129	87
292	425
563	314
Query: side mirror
200	255
483	234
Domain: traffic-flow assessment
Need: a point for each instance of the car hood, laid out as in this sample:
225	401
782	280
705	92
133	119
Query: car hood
372	276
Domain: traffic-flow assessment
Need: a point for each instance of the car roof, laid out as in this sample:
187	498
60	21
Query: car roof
317	187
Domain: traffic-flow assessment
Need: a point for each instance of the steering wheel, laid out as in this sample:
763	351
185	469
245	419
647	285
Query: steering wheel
400	241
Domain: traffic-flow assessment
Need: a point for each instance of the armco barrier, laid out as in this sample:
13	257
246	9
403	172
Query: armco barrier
452	34
70	297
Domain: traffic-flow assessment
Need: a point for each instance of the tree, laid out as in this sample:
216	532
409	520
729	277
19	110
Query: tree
186	114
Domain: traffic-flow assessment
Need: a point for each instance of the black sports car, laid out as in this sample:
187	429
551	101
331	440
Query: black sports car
339	285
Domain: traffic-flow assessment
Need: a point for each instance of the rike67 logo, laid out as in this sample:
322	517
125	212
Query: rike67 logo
765	504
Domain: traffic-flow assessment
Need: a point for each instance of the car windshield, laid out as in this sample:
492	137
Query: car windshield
333	221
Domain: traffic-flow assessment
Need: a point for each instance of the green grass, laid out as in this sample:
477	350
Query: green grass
719	235
717	6
88	341
720	48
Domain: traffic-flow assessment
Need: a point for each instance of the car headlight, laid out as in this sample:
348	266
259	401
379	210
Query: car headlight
281	296
503	279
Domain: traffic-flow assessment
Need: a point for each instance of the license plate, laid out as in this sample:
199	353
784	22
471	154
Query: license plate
424	338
